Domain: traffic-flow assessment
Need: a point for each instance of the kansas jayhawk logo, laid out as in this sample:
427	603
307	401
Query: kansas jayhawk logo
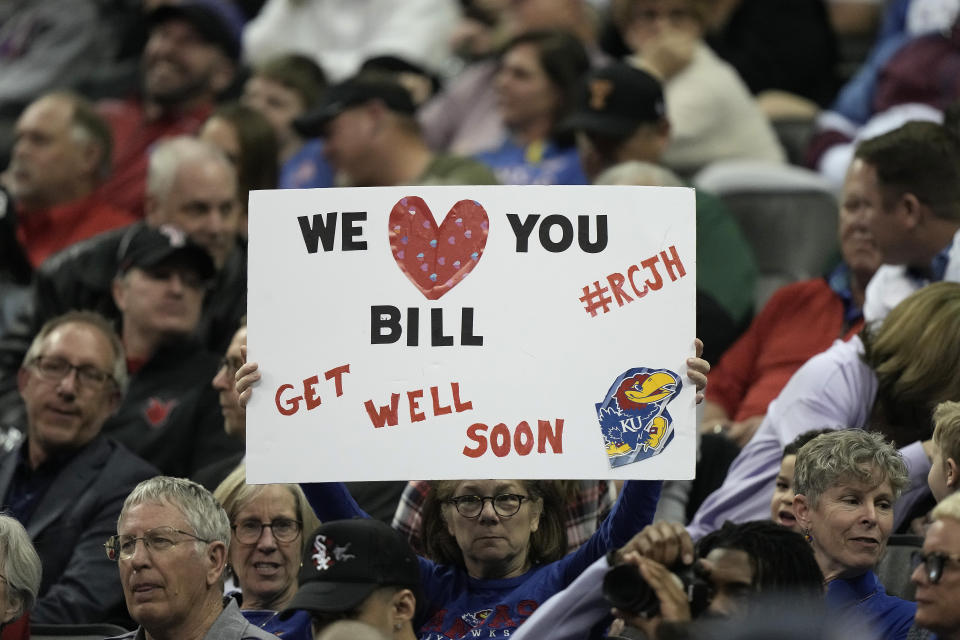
633	416
476	618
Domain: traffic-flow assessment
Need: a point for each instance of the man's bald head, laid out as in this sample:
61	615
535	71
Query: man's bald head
61	151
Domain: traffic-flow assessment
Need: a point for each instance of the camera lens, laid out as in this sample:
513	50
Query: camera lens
625	589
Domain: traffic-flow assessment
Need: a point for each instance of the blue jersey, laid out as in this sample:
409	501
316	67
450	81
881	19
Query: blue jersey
537	163
307	168
460	606
889	616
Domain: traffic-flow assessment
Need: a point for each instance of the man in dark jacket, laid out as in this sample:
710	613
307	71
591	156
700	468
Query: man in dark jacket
170	415
66	482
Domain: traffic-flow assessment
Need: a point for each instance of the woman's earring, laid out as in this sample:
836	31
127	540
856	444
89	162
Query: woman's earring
807	536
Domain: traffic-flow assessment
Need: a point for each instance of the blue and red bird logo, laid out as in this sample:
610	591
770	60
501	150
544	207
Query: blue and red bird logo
633	415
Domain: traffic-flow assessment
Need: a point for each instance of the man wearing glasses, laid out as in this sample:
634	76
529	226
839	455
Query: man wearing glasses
937	576
171	548
66	482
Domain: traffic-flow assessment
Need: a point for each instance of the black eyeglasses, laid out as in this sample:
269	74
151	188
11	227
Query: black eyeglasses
284	530
160	539
932	563
505	504
56	369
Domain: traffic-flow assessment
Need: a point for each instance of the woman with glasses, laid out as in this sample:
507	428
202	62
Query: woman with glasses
846	483
496	548
267	524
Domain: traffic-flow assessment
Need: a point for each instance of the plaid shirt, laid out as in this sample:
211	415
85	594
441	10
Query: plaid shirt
585	511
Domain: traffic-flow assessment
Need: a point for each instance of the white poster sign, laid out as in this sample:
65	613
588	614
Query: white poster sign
471	332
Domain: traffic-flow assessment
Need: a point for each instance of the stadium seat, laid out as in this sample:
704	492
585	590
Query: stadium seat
788	215
895	567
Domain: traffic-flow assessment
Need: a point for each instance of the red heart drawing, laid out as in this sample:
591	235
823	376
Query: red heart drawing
436	258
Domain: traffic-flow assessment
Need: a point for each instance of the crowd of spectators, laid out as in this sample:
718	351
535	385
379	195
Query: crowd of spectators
133	131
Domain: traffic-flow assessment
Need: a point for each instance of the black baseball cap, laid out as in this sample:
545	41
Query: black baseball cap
149	247
346	560
615	100
350	93
219	22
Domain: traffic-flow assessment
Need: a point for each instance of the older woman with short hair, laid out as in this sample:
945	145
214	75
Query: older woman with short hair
268	522
21	568
847	483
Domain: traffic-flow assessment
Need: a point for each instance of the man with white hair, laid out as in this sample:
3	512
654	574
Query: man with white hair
191	186
171	548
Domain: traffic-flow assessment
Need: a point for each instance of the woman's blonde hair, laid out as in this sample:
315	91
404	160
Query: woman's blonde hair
949	507
234	493
915	354
946	430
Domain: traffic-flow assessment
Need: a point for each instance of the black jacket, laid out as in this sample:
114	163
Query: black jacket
14	266
68	527
170	415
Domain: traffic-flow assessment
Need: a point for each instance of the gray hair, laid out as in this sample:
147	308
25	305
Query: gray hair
846	454
169	155
91	319
205	515
635	172
21	564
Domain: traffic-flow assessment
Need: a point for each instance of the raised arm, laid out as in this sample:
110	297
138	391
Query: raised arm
332	501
